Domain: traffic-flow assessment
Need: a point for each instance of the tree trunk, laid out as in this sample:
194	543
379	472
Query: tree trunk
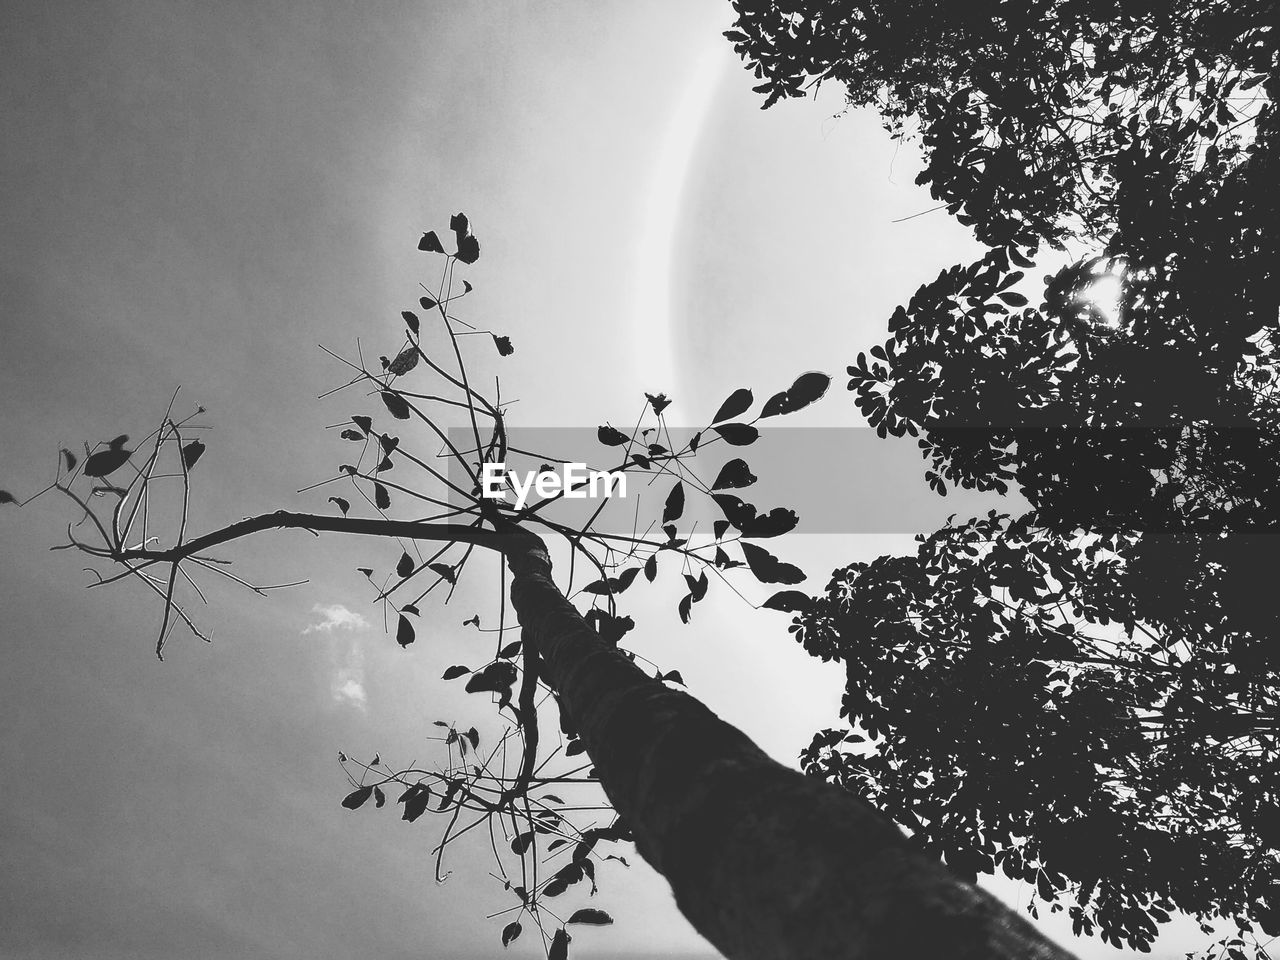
766	863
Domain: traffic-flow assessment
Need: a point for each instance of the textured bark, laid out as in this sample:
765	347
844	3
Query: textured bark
766	863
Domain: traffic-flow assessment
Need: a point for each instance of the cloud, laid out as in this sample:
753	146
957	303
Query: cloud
346	682
335	617
347	685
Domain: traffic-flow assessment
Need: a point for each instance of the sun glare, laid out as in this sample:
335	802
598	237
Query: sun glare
1105	295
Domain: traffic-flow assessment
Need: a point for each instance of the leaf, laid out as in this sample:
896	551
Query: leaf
468	250
405	361
592	916
405	566
733	475
675	503
651	567
736	405
559	946
356	799
350	434
495	678
521	842
788	601
70	459
1013	299
511	650
658	403
106	462
737	434
697	586
404	632
379	798
775	523
685	608
411	608
415	801
367	571
510	932
191	453
768	568
611	437
574	748
7	497
397	404
364	423
428	303
808	388
381	499
460	226
454	672
505	349
445	571
430	243
474	736
342	505
411	319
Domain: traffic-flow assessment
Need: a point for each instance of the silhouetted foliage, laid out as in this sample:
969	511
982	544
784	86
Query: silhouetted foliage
1088	697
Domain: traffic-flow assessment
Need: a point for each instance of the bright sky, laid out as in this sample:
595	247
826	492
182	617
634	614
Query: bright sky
198	194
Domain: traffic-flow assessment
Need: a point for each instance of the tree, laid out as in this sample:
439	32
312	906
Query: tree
765	862
1087	696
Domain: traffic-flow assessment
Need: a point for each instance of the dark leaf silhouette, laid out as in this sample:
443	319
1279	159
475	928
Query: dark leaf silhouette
415	801
685	608
106	462
559	945
505	349
405	361
7	497
469	249
454	672
673	676
775	523
510	932
445	571
592	916
69	458
430	243
341	504
734	474
191	453
495	678
658	403
397	404
350	434
411	608
405	566
381	499
651	568
364	423
411	318
379	798
808	388
737	403
611	437
674	507
769	569
737	434
789	601
405	633
511	650
356	799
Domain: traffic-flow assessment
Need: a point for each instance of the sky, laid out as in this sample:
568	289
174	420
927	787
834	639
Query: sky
198	195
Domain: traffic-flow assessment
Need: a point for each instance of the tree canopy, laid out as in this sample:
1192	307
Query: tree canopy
1086	697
